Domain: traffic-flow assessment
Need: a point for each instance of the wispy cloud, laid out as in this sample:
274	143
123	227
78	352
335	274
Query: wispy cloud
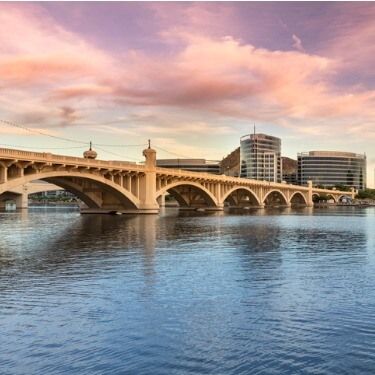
297	43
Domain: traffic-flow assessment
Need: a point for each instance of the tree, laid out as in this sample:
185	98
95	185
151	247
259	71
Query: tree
321	197
342	187
366	194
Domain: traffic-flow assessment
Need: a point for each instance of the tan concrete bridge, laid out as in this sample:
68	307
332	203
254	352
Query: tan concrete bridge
20	194
128	187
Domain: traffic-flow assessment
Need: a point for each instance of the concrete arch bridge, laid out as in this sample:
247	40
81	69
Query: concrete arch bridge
129	187
20	194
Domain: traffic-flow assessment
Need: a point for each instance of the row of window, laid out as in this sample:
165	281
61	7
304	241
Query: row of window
329	159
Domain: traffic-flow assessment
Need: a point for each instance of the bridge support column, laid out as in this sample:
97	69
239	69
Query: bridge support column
161	200
3	173
22	201
310	194
147	184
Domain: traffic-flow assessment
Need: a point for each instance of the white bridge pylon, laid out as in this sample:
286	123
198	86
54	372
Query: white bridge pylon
128	187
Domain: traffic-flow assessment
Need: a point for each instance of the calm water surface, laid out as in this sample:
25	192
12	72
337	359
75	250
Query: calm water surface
281	292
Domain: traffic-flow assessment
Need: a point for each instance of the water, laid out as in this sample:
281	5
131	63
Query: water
286	292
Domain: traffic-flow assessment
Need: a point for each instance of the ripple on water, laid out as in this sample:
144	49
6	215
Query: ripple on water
281	293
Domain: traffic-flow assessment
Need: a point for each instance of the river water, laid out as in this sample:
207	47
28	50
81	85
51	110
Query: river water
265	292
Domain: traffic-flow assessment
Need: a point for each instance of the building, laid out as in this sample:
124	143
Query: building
289	168
260	156
332	168
230	165
194	165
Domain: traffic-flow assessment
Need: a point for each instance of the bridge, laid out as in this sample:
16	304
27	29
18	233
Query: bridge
128	187
20	194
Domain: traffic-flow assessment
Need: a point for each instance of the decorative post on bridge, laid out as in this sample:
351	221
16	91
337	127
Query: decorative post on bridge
310	194
353	192
147	188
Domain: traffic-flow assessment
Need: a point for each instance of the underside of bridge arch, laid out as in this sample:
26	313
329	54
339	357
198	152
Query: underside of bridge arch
344	197
241	197
93	193
315	197
191	196
331	196
275	199
298	200
11	198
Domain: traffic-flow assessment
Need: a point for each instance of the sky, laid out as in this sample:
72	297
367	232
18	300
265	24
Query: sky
192	77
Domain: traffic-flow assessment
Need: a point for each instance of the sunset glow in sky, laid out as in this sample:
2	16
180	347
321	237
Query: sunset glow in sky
193	77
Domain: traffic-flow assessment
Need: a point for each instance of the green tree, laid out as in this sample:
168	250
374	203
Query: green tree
366	194
342	187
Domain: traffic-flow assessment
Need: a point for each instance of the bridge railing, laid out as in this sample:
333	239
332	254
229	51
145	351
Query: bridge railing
213	177
334	192
245	181
48	157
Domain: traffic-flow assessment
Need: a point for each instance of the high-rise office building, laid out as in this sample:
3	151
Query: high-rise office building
260	156
331	168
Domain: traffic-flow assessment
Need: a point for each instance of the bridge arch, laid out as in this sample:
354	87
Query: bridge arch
340	197
315	196
189	194
332	197
90	201
298	198
78	183
240	192
275	197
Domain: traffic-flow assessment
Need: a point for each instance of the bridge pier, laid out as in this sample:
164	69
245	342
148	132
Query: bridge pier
22	201
310	202
147	188
18	200
161	200
3	173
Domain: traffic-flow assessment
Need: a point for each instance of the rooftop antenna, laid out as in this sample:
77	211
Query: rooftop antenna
254	129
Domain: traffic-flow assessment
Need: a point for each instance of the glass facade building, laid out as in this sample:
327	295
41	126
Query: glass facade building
260	156
331	168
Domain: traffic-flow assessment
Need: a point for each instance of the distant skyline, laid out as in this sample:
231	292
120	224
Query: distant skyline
192	77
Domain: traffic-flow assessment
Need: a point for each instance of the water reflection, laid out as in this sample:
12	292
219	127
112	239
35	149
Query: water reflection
52	246
267	291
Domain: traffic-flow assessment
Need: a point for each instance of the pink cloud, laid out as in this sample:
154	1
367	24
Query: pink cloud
57	74
210	74
28	70
80	91
34	49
